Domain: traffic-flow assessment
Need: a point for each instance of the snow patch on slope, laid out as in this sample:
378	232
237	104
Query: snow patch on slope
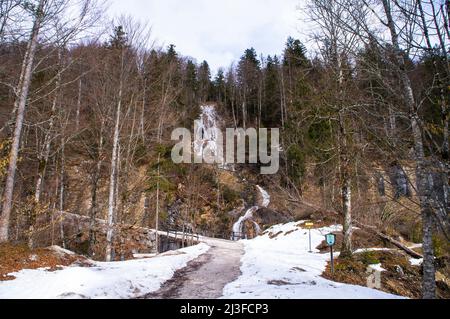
416	262
377	267
105	280
282	268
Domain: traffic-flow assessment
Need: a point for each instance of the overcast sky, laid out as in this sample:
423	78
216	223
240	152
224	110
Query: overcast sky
217	30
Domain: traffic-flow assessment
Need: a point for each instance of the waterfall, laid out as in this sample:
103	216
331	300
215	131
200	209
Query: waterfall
265	196
208	143
237	227
206	132
208	139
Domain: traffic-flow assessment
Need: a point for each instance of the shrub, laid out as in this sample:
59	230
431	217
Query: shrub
416	233
229	195
369	258
296	161
441	246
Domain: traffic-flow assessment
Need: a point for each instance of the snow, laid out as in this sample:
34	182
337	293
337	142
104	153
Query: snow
265	196
282	268
61	250
416	262
377	267
105	280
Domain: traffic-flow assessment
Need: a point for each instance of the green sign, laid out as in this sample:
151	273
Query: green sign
330	239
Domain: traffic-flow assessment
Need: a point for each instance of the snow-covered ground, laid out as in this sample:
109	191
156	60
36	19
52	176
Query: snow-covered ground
283	268
113	280
416	262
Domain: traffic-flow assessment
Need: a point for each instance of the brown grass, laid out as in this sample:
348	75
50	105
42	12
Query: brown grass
15	257
353	271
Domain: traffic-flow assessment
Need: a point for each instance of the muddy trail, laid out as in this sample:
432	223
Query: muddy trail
206	276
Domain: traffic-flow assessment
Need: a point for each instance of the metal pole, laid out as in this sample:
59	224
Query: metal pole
332	260
310	241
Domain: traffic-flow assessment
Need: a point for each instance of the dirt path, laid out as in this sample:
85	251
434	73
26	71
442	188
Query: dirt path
206	276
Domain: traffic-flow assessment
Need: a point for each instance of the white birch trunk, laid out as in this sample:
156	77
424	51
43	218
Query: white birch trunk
423	187
77	115
20	105
113	175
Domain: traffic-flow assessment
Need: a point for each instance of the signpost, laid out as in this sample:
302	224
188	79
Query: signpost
331	241
309	225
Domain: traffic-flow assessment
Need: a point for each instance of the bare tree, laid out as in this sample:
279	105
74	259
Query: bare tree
337	44
7	8
423	187
114	165
401	20
20	104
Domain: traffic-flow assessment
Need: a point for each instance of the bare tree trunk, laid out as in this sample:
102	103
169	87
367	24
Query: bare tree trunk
392	126
77	115
117	212
142	126
62	177
283	98
260	94
233	102
113	175
131	140
346	192
423	187
112	184
94	188
61	192
20	105
244	113
43	159
157	208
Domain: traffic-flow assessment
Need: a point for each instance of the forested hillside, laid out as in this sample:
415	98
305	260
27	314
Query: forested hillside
88	105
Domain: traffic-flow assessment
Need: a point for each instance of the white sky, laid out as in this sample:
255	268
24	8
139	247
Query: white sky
217	30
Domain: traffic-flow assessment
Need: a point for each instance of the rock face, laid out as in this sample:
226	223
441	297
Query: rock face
266	216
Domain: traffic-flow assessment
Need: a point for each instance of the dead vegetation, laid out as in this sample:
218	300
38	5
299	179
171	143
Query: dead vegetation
15	257
400	276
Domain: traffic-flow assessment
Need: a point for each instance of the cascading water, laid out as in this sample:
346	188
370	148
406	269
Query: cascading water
207	145
265	196
238	231
208	141
206	133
